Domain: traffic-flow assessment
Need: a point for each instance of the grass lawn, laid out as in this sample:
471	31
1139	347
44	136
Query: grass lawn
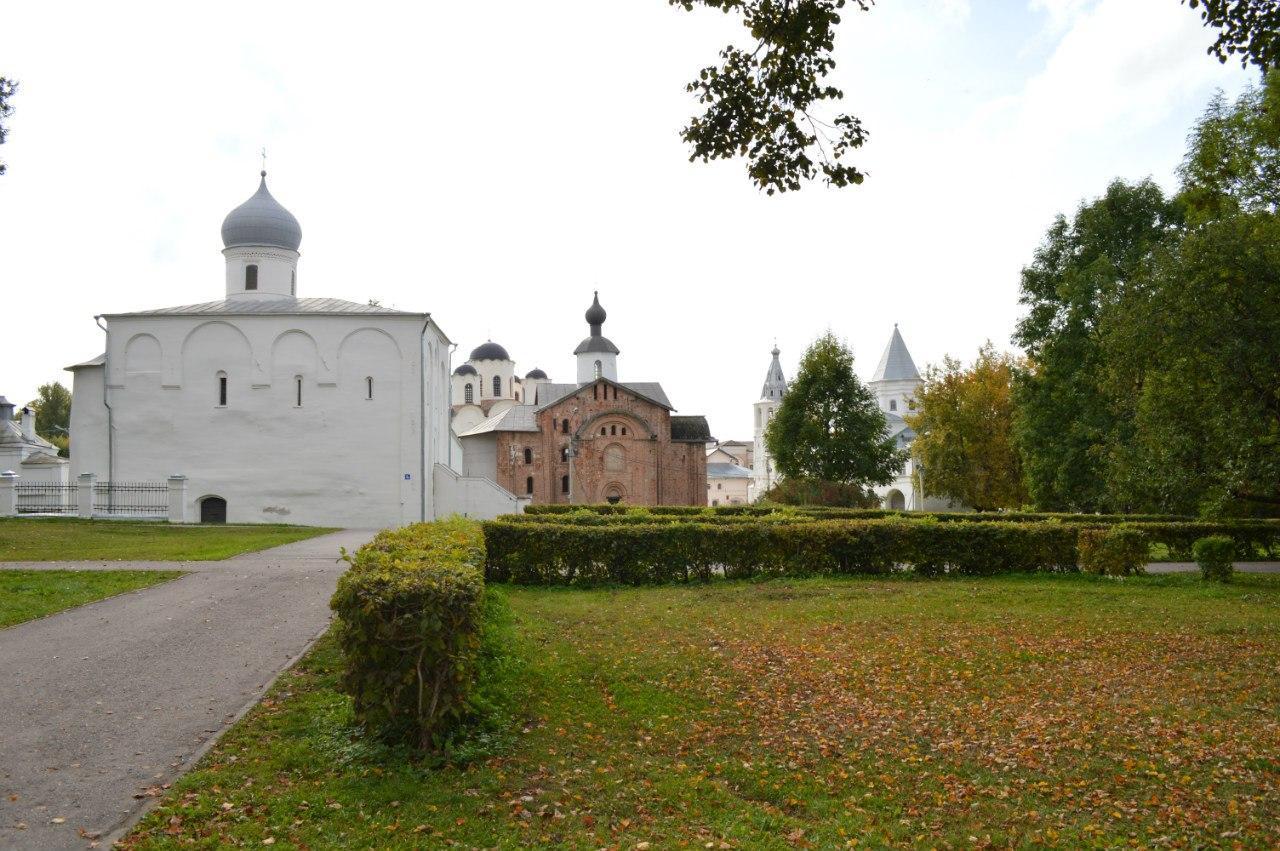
27	594
1062	711
69	539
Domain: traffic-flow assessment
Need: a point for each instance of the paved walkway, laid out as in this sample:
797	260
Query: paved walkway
101	702
1192	567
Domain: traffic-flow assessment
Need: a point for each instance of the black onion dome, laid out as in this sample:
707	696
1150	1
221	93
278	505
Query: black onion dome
465	369
489	351
535	373
595	313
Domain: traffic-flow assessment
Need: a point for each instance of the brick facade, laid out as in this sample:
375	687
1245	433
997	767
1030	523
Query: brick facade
603	441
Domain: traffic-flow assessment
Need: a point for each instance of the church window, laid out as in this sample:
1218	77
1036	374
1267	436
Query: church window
615	394
602	431
293	282
297	384
528	484
893	404
613	429
624	431
599	369
564	426
468	394
528	457
368	387
251	276
564	484
564	453
497	386
222	389
595	391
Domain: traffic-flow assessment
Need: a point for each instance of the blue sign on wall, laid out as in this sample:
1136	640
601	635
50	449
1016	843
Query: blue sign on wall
408	476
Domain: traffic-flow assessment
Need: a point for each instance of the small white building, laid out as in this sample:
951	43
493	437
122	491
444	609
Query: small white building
276	408
728	482
25	453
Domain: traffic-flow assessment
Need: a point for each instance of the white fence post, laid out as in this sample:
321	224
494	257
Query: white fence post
177	499
84	494
9	494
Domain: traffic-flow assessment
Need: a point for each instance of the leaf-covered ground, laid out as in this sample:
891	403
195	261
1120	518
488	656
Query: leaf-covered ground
29	594
1025	711
72	539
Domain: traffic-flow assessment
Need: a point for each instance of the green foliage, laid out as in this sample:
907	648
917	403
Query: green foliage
410	614
964	430
1121	550
760	104
1064	420
1215	555
53	414
818	493
1249	29
638	554
7	89
829	427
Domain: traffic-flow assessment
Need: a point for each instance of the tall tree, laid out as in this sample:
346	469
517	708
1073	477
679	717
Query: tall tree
7	89
1064	420
829	427
761	103
964	428
53	414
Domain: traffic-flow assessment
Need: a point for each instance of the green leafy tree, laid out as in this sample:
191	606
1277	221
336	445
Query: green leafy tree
1064	419
1248	29
7	89
829	427
53	414
964	433
763	103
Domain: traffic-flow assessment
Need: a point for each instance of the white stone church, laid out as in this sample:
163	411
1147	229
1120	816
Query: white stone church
276	407
896	382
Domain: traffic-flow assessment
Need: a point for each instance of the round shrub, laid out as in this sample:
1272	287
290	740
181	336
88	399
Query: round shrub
1214	554
1114	551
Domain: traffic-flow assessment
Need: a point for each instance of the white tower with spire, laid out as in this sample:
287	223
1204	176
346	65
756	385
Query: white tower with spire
763	474
896	383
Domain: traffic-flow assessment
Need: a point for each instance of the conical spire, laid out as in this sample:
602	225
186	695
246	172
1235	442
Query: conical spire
896	363
775	385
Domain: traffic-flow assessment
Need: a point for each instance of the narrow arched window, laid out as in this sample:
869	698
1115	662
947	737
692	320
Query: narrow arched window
251	276
615	394
599	369
564	484
468	394
613	429
528	456
564	426
297	386
602	432
893	404
624	431
293	282
222	389
368	387
595	390
497	386
564	453
528	485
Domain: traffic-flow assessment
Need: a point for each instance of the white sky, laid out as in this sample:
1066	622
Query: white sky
494	162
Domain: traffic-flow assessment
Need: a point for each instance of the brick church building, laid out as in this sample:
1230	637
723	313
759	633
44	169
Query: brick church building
596	440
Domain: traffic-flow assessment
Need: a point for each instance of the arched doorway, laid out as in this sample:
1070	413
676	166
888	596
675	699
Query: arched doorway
895	501
213	509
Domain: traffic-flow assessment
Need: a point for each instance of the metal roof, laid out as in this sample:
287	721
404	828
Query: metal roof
597	343
722	470
690	429
271	306
518	418
98	361
775	385
896	363
549	394
489	351
261	221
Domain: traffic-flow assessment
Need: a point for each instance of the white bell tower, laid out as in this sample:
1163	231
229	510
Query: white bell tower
763	475
261	240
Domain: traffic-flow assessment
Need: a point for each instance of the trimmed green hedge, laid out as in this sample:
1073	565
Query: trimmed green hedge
409	617
1119	550
828	513
1214	556
635	554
